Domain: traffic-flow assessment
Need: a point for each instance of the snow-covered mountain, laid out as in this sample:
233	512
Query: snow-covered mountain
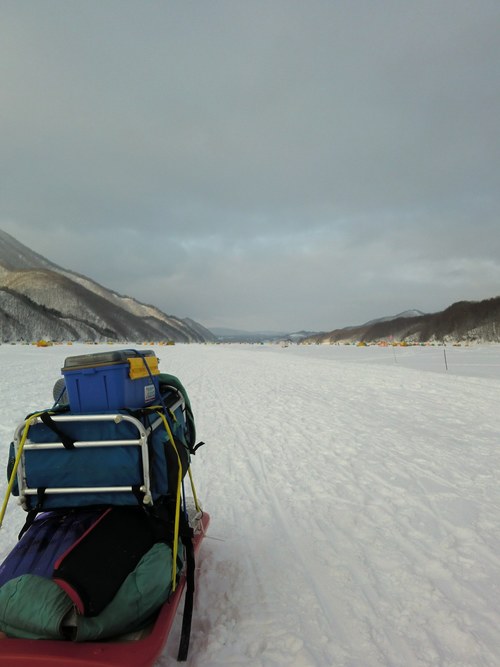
462	321
39	299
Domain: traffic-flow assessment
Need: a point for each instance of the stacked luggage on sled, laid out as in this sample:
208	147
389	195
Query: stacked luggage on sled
108	535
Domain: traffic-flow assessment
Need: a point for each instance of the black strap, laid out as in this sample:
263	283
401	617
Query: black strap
187	539
40	494
193	449
67	441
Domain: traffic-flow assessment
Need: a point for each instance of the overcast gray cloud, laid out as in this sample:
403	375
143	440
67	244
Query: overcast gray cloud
258	164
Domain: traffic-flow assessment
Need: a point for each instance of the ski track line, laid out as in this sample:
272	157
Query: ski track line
256	504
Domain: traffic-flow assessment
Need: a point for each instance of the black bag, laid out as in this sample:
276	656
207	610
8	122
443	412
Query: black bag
93	569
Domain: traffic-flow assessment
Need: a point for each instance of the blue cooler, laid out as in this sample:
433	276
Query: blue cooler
111	380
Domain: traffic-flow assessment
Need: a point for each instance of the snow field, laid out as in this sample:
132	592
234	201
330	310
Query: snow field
353	497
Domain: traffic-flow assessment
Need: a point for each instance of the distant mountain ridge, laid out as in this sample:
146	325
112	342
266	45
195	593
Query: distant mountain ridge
464	321
227	335
39	299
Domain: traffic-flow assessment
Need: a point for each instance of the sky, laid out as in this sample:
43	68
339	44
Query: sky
257	164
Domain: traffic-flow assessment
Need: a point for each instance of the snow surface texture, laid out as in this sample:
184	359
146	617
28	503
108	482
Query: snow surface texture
353	494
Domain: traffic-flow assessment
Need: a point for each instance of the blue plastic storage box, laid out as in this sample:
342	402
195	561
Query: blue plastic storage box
111	380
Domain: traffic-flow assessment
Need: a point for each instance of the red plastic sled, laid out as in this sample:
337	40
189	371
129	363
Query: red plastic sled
132	653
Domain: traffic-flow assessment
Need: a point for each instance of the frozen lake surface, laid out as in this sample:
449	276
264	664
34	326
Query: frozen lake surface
353	493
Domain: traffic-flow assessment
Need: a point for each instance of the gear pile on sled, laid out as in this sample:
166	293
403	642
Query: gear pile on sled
109	541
